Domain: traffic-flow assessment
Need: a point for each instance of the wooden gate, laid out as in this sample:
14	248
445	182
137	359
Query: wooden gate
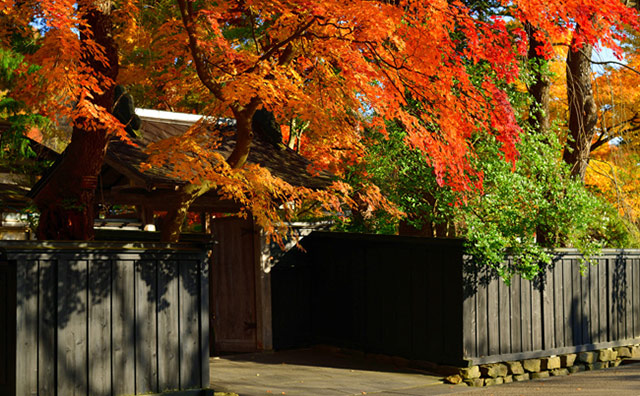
233	286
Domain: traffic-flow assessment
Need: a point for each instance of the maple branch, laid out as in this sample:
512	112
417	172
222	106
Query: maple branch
615	63
275	47
186	11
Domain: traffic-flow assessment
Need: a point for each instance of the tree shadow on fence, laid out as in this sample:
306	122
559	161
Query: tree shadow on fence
77	311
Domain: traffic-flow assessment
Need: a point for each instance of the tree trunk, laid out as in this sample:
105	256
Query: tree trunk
67	201
539	90
582	110
172	223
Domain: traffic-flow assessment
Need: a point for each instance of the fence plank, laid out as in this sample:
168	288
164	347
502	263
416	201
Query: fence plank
636	297
469	323
146	341
482	329
204	323
516	313
549	334
558	303
628	292
594	314
27	327
168	337
189	317
123	333
603	300
536	317
525	290
72	327
99	328
585	302
504	317
47	315
576	304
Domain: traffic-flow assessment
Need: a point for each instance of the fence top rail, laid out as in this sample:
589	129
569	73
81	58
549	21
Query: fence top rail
92	246
453	242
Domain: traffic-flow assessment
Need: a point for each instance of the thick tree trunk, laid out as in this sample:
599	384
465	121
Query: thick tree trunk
67	201
582	110
539	89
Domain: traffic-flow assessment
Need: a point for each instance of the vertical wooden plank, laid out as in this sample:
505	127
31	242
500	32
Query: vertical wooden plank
47	328
636	298
72	327
576	304
612	300
516	310
8	327
146	340
204	322
27	327
603	300
123	328
558	303
168	337
548	310
525	292
567	295
594	313
482	330
628	298
536	318
469	313
100	284
585	303
504	317
189	318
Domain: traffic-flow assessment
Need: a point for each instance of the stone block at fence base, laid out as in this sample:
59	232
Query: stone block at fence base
453	379
605	355
508	379
494	381
615	363
597	365
558	372
635	351
587	357
493	370
542	374
550	363
568	360
532	365
623	352
576	368
475	382
515	368
468	373
521	377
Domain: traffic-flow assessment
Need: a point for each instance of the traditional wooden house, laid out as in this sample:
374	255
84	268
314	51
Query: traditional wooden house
240	295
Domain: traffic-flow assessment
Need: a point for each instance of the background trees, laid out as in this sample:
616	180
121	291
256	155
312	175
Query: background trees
437	83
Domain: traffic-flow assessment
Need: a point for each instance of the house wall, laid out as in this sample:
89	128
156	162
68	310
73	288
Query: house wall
109	319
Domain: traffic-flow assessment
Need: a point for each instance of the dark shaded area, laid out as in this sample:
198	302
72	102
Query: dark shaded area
423	299
87	317
388	295
8	327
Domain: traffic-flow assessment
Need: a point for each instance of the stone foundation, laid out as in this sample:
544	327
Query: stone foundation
499	373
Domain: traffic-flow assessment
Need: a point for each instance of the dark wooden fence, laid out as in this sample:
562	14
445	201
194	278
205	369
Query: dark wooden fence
423	299
562	311
108	319
382	294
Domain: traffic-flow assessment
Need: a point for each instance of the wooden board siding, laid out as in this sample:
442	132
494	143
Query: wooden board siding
423	299
98	319
562	311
